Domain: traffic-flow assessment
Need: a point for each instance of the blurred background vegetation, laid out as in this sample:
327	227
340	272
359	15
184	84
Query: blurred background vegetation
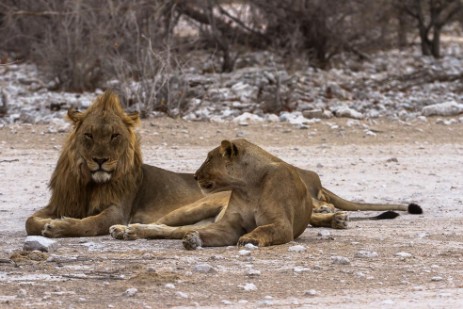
83	44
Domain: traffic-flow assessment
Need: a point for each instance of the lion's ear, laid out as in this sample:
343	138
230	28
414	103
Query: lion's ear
74	115
228	149
134	119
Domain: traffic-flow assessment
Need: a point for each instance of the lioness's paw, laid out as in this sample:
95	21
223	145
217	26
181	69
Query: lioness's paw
192	240
340	220
117	231
325	209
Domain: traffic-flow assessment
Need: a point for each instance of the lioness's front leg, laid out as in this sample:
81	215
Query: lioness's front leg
149	231
268	235
222	233
89	226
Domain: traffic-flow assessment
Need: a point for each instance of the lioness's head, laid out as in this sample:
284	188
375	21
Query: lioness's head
104	139
231	165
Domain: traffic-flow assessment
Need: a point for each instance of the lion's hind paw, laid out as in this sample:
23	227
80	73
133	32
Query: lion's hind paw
340	220
192	240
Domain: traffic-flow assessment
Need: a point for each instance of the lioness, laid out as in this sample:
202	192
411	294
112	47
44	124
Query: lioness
271	202
100	179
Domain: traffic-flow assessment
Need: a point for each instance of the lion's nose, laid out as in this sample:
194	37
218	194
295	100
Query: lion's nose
196	177
100	161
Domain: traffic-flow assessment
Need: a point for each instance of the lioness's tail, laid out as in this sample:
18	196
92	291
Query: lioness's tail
343	204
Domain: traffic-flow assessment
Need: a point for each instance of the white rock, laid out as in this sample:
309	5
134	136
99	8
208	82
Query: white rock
403	254
250	287
345	111
247	117
244	252
181	294
251	272
251	246
300	269
203	268
366	254
39	243
450	108
311	292
324	234
169	286
341	260
131	292
296	248
437	278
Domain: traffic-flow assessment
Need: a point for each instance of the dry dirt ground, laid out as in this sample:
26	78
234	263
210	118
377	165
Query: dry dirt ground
415	261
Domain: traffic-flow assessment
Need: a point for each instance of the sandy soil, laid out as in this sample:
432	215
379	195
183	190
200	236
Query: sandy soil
100	272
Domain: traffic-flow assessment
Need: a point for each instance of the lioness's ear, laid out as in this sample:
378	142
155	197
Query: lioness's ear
228	149
74	115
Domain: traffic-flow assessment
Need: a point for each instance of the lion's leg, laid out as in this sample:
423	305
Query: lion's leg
89	226
36	222
337	220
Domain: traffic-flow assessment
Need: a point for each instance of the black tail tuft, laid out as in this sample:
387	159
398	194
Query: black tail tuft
386	215
415	209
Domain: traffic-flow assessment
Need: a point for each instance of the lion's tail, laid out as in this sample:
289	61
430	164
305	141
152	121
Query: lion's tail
343	204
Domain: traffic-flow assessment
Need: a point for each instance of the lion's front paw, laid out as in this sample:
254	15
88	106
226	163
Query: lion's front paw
244	240
192	240
340	220
117	231
57	228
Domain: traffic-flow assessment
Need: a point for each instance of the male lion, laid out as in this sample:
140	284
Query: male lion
271	202
100	180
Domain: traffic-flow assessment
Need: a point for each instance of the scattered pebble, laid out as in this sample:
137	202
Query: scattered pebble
296	248
131	292
366	254
249	287
244	252
310	292
203	268
181	294
169	286
437	278
403	254
341	260
251	246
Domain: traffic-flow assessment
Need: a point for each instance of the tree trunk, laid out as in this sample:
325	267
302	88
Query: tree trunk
435	47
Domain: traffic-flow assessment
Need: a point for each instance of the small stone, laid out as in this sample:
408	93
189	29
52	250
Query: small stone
249	287
403	254
296	248
437	278
39	243
392	160
169	286
252	272
181	294
251	246
244	252
300	269
324	234
366	254
203	268
341	260
131	292
310	292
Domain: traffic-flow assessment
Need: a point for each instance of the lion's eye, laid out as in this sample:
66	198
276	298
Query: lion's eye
88	136
114	136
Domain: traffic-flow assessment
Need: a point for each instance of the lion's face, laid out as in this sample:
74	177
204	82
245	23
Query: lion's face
102	142
221	170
